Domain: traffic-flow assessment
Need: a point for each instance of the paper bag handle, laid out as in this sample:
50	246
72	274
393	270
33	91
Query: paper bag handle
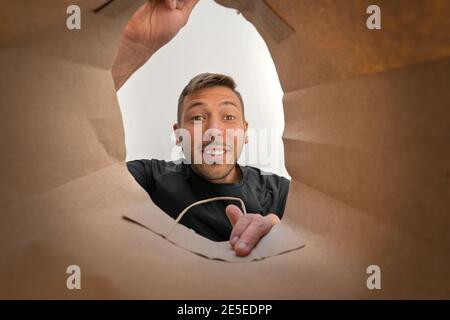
201	202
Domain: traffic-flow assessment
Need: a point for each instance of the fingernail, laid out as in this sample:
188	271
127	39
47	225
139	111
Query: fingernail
173	4
234	240
180	4
242	245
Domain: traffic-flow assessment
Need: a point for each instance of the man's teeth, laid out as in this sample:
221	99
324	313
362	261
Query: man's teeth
215	152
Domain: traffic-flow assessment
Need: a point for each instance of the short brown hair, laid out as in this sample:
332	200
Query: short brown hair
206	80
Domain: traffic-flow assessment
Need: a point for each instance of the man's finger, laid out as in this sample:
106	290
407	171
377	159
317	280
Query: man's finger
239	228
233	213
187	5
273	218
172	4
257	229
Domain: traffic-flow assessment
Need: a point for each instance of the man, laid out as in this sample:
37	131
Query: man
211	128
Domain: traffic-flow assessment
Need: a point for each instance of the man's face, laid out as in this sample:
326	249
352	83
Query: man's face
213	119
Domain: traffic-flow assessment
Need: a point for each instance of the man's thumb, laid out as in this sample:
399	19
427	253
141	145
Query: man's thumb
187	7
233	213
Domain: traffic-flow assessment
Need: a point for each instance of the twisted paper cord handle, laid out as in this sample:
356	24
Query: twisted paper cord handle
201	202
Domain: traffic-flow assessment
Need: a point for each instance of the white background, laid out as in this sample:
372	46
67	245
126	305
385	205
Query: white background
215	39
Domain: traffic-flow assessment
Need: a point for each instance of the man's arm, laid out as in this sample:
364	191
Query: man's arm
153	25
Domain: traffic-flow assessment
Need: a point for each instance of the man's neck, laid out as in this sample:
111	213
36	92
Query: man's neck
234	176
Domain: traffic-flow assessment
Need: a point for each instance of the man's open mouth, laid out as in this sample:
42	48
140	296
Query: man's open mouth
212	151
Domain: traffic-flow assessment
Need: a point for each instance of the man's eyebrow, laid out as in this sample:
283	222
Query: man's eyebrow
228	102
200	103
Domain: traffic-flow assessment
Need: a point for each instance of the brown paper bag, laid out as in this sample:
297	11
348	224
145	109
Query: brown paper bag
367	145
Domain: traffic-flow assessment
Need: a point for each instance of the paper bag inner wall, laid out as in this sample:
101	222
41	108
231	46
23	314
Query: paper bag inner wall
366	143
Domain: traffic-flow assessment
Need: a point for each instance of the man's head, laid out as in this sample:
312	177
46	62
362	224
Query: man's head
211	126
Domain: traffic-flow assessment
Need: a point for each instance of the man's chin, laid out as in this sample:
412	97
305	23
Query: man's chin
213	171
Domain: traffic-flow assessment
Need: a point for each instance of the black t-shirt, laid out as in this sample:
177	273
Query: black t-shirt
174	185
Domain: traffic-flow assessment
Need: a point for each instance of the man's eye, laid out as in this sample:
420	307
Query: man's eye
230	117
197	118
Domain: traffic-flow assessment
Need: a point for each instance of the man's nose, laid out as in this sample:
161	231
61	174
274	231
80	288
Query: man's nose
214	124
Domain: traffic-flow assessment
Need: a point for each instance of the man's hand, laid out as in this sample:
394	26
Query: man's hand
153	25
248	229
156	22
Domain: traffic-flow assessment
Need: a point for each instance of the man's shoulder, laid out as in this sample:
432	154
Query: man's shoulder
256	174
268	184
157	166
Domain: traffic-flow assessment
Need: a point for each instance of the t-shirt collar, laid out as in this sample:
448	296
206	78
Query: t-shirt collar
243	170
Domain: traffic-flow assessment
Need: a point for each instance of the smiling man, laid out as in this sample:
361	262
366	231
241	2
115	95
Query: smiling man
212	130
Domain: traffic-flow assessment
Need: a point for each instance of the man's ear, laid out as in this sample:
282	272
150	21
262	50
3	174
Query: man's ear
245	131
177	136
